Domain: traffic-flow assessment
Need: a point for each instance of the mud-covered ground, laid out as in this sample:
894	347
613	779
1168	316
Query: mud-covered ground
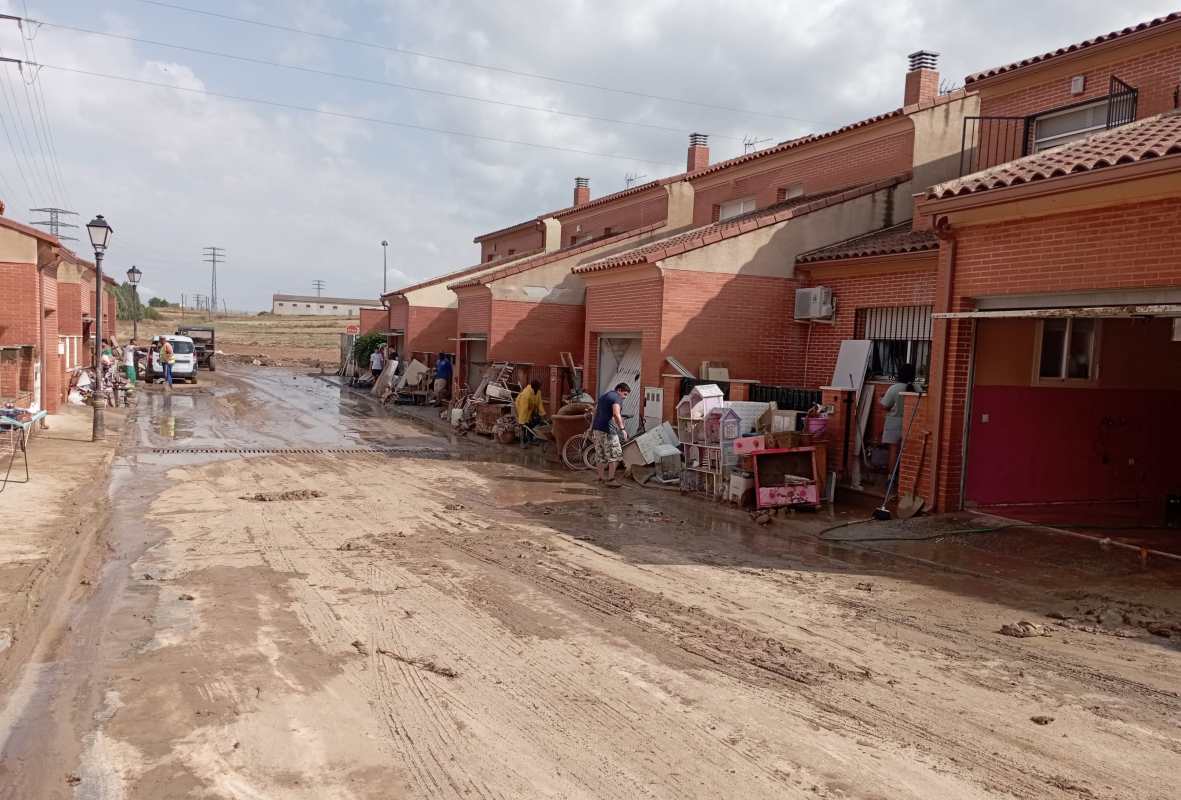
330	602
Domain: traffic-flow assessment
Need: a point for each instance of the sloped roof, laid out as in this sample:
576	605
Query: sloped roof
897	239
548	258
736	226
1153	137
1174	17
28	230
459	273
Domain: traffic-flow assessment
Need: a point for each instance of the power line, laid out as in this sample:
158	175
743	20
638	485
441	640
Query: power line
472	64
355	117
22	140
55	192
39	91
363	79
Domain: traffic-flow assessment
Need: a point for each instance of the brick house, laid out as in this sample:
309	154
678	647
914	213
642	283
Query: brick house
1056	361
529	310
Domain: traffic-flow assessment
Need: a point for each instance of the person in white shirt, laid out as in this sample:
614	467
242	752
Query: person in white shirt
376	363
129	361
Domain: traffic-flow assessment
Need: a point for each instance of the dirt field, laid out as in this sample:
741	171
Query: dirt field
328	602
306	341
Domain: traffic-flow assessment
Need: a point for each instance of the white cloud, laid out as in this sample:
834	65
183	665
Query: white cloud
294	196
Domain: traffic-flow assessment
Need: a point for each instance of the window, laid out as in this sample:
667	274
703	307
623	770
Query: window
321	305
307	305
512	251
607	231
334	308
280	305
1066	350
490	256
1060	127
785	193
734	208
900	335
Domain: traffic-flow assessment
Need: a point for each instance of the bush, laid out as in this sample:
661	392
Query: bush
158	302
364	347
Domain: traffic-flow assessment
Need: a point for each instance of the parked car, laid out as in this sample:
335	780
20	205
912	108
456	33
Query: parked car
184	368
203	344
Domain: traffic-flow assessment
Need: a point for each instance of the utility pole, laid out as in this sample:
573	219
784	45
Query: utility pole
319	286
631	179
213	257
54	224
385	268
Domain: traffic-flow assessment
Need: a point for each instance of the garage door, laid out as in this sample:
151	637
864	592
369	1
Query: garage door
476	361
619	362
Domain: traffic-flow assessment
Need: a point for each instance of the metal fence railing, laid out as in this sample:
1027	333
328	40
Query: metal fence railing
788	398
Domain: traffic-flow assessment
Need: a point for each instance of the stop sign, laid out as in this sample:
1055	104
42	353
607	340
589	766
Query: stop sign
353	329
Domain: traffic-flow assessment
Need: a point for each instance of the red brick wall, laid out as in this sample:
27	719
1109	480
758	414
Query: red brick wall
621	215
859	163
18	304
374	319
898	283
432	329
535	333
1156	74
520	241
626	307
741	319
110	320
1121	247
69	309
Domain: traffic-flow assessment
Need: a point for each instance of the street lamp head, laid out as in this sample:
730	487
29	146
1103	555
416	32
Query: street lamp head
134	274
100	233
384	243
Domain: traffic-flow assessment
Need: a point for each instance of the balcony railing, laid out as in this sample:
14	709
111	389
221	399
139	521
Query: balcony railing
988	141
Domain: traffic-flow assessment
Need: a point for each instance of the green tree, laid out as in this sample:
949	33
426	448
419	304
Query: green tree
158	302
365	345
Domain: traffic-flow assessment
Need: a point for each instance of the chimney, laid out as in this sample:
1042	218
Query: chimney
922	81
698	152
581	191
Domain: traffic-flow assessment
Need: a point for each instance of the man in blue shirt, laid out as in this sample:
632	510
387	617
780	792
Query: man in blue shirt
442	377
609	433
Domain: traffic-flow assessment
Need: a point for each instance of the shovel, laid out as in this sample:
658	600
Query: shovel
910	503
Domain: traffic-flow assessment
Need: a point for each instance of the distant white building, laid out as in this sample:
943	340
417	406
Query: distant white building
294	305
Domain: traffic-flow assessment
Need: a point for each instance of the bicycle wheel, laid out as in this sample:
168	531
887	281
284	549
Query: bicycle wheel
590	455
572	452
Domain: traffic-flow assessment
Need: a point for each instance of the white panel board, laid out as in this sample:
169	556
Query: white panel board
852	364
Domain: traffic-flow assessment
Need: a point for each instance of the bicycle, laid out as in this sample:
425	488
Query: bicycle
578	452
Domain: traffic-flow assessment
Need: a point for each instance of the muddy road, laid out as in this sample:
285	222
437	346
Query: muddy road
304	597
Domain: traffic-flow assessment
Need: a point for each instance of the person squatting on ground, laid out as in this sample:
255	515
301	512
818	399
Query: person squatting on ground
608	432
530	407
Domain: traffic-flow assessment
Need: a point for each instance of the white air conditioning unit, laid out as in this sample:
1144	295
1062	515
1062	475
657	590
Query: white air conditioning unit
814	303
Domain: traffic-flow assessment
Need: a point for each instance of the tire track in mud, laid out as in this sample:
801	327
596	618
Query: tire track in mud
725	645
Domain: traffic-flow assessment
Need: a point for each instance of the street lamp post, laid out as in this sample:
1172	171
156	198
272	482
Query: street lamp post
384	266
100	234
133	276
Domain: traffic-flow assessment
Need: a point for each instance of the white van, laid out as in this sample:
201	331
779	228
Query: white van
184	367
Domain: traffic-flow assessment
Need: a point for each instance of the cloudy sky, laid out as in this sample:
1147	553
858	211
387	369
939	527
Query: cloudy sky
306	184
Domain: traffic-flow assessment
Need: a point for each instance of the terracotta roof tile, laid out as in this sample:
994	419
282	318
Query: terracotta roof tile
459	273
541	259
883	242
1153	137
1061	51
735	226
